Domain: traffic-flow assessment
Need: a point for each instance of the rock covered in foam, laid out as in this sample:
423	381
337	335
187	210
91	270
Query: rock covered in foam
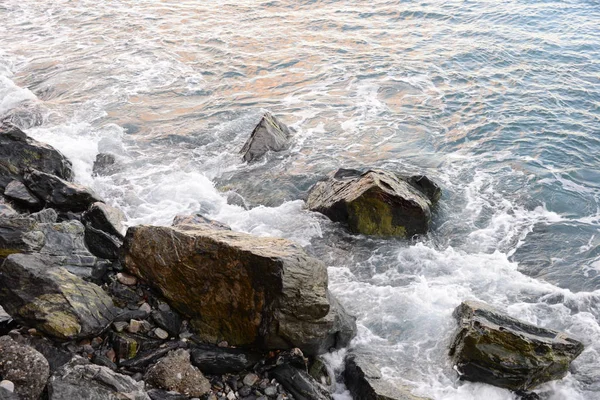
493	348
247	290
376	202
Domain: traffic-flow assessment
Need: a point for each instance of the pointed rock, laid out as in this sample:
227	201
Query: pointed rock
269	135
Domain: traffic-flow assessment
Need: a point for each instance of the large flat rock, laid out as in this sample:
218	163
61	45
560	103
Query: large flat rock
250	291
493	348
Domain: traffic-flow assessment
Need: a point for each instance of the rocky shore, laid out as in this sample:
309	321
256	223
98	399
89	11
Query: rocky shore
196	310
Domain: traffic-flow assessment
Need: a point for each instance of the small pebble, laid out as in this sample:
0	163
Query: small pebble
134	326
271	391
223	344
250	379
138	376
282	397
8	385
111	355
97	341
126	279
231	395
145	307
245	391
163	307
120	326
161	333
262	398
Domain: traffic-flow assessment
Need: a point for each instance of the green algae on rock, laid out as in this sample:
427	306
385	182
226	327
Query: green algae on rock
493	348
247	290
376	202
37	292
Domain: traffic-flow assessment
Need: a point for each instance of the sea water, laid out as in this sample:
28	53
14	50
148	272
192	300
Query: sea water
496	101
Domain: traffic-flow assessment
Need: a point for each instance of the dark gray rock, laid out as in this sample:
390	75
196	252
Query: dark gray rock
144	358
375	202
19	234
299	383
18	192
364	380
493	348
426	186
270	134
158	394
81	380
169	320
214	360
23	366
18	153
55	354
59	193
103	227
274	296
104	164
47	215
38	293
6	394
174	372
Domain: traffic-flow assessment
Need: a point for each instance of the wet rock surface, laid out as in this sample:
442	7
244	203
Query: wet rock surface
365	381
103	227
37	293
270	134
19	153
26	368
493	348
270	293
376	202
81	380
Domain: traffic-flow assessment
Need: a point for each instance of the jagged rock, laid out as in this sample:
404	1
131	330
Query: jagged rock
269	135
81	380
19	193
144	358
253	291
104	164
364	380
18	153
175	372
375	202
47	215
103	227
23	366
493	348
300	384
59	193
6	322
6	210
198	219
64	241
214	360
38	293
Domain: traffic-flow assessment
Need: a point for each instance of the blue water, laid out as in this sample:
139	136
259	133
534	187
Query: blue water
499	102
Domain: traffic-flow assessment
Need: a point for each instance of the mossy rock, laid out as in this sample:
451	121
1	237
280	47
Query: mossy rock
493	348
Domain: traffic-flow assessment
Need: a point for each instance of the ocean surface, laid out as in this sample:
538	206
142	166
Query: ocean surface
497	101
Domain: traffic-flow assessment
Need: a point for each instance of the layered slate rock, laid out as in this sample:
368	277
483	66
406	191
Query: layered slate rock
249	291
18	192
59	193
270	134
364	380
19	153
23	366
376	202
493	348
39	294
103	227
19	234
81	380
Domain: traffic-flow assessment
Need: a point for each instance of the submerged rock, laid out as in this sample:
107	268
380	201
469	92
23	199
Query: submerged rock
175	372
247	290
198	219
59	193
23	366
104	164
364	380
19	152
269	135
494	348
37	293
375	202
81	380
